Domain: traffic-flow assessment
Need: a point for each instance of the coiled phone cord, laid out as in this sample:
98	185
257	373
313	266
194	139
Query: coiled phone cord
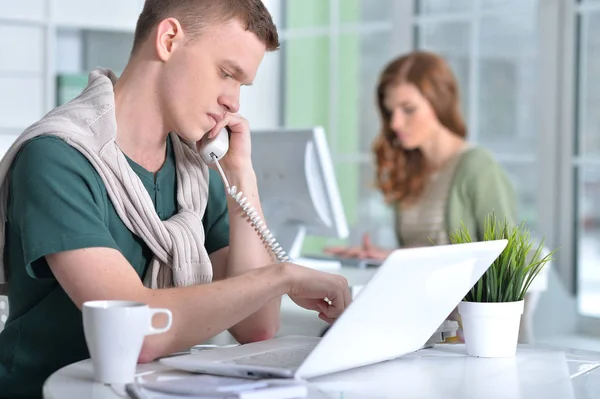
253	217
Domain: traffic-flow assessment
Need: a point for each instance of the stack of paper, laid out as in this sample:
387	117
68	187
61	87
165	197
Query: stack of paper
207	386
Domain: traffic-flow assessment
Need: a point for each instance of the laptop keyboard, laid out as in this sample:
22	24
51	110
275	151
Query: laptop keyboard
289	358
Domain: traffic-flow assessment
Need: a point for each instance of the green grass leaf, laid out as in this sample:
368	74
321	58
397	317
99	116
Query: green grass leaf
513	271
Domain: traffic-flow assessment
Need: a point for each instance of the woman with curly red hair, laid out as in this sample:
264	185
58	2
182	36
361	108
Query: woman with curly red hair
434	179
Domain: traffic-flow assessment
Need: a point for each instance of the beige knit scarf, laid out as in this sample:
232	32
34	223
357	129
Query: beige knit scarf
89	125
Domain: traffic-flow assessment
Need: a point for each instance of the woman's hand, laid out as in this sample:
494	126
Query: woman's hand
365	251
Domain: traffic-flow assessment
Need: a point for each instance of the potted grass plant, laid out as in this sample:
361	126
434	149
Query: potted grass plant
491	311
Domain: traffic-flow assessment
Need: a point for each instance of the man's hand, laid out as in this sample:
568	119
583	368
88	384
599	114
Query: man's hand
238	156
325	293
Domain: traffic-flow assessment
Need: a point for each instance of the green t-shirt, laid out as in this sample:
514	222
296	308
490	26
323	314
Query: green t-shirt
58	202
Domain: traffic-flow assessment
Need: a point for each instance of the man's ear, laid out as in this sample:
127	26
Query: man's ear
169	36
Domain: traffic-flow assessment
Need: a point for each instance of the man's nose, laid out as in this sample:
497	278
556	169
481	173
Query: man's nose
231	102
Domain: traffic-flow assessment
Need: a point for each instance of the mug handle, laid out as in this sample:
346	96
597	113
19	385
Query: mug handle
154	330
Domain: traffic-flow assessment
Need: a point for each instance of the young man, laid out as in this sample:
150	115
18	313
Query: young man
79	229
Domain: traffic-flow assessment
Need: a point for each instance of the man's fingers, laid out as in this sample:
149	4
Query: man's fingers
338	300
326	319
312	304
323	308
237	124
217	128
331	311
347	297
215	131
234	122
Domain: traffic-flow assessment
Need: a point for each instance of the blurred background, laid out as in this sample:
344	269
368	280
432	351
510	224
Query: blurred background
529	72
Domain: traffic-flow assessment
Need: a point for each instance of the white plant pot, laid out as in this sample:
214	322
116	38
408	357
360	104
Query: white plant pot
491	329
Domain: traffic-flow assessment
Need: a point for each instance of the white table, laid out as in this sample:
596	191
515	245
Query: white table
442	372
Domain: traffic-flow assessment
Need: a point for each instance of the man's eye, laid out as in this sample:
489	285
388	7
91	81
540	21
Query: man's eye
225	74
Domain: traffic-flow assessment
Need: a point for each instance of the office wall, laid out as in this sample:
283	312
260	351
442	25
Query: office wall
78	39
69	51
556	314
261	102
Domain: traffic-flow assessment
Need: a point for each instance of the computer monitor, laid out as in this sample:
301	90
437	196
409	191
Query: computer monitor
297	186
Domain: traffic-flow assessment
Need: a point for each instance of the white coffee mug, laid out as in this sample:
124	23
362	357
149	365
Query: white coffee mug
114	333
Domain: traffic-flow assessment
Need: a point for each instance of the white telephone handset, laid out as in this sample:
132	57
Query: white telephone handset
214	148
211	151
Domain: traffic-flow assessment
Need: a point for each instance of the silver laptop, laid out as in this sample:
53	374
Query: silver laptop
400	308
